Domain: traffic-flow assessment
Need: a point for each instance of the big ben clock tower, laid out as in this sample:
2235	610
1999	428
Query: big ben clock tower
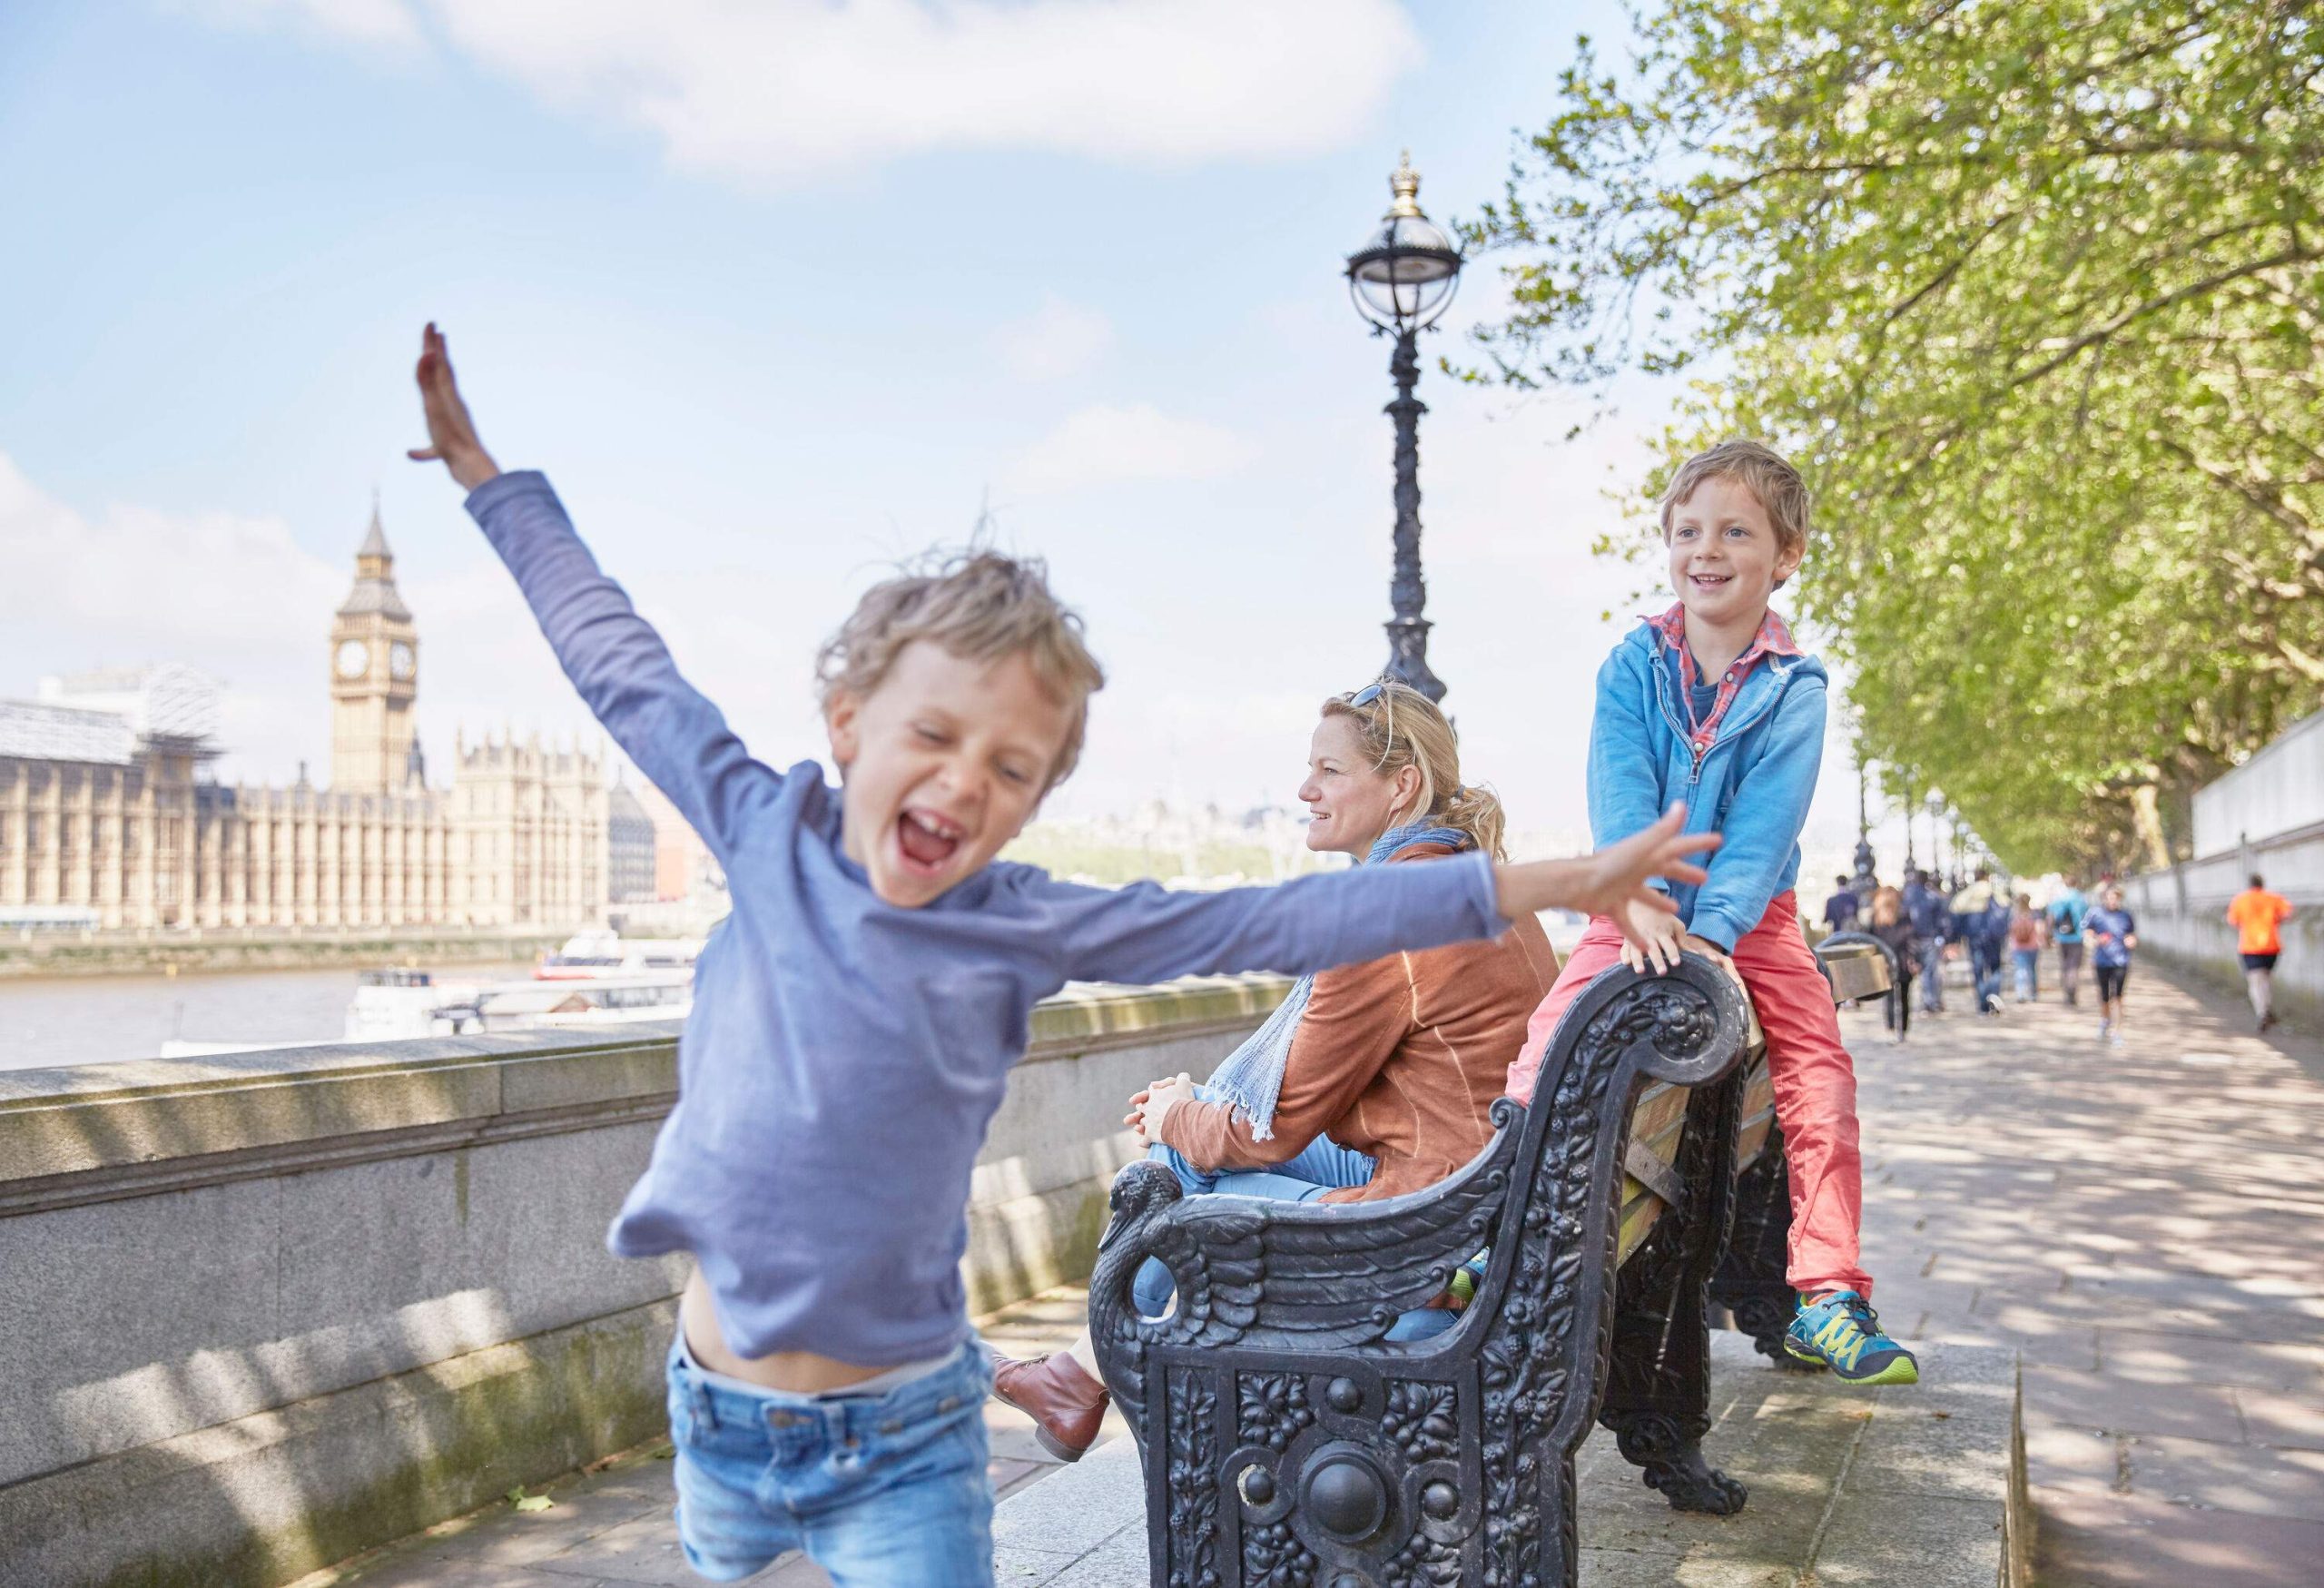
374	677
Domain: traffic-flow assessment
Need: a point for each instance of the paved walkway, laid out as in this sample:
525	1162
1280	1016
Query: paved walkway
611	1527
2143	1225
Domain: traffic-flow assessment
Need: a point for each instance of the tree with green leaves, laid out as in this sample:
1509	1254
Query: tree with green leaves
2033	295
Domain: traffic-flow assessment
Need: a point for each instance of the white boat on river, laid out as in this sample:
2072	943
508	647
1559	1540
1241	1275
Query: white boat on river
393	1005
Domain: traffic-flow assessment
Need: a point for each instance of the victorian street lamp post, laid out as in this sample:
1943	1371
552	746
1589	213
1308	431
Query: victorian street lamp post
1401	280
1865	860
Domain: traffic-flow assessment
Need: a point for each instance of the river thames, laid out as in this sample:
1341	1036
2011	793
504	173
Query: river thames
89	1019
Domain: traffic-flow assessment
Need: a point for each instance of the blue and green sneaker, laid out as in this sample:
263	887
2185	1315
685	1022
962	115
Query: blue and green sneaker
1843	1333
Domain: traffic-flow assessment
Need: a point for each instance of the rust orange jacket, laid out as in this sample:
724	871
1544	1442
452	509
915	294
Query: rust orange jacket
1399	1058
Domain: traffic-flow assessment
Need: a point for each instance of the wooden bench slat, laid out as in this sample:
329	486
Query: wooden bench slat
1641	1209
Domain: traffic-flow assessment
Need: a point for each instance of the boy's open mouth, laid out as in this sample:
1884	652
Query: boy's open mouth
927	841
1710	581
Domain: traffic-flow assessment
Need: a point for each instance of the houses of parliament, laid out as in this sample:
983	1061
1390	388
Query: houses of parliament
107	817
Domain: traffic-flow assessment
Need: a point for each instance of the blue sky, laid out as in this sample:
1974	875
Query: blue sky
778	293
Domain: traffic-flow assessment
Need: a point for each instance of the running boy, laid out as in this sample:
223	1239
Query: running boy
1712	702
855	1019
2113	932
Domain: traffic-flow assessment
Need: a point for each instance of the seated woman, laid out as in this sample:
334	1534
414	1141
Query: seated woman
1371	1080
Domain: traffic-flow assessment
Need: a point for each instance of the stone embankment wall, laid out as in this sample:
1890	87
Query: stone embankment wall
266	1311
125	953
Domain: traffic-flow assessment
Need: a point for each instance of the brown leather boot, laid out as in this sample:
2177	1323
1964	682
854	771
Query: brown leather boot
1065	1402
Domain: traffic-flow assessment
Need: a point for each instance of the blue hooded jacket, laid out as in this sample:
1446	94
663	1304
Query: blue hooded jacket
1752	786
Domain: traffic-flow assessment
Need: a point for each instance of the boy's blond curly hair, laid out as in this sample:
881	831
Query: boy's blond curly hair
981	605
1759	469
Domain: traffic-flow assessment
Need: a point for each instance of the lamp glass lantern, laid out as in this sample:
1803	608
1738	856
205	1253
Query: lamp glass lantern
1404	275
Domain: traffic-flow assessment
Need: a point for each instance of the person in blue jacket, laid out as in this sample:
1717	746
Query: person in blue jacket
1981	916
1925	907
1713	705
2068	910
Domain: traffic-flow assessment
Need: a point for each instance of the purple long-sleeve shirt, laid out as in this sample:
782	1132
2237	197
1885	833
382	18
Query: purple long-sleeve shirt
845	1056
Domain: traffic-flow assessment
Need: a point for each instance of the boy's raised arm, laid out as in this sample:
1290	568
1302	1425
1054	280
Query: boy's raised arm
1147	933
615	658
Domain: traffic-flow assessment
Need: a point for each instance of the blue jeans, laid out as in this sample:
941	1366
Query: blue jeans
2026	963
1323	1165
1988	965
883	1490
1933	974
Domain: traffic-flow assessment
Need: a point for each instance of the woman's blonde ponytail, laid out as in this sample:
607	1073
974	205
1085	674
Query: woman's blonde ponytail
1401	727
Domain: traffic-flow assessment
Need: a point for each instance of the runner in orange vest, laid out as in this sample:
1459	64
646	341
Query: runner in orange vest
2256	914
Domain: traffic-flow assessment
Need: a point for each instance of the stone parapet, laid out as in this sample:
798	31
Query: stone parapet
197	950
344	1237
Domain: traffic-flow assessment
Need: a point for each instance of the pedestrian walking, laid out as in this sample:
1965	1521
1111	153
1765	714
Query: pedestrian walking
1924	907
1888	921
2258	917
2067	911
2026	947
1982	919
1841	909
2113	932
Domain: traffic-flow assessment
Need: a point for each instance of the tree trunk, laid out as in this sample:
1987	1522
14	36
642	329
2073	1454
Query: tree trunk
2146	820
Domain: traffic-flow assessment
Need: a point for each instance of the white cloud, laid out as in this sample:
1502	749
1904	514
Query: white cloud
1112	445
238	599
1057	339
787	91
235	596
370	23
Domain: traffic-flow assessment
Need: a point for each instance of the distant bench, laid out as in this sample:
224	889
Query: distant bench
1285	1442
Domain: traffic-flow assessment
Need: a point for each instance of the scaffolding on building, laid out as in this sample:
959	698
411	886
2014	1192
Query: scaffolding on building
33	730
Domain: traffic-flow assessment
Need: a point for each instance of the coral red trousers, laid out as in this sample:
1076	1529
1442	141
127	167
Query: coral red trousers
1815	1084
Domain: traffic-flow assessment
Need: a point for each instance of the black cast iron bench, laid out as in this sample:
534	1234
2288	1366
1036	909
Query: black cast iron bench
1287	1445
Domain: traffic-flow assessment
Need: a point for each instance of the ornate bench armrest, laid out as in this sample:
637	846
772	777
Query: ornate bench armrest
1302	1276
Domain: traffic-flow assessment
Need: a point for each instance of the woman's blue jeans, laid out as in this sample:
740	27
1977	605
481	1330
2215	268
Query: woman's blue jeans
1323	1165
2027	965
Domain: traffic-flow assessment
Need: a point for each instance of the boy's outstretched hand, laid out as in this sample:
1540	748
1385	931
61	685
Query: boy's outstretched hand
1612	882
451	433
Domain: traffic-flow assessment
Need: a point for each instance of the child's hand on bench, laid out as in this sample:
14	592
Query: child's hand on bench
1663	940
1715	954
451	433
1612	882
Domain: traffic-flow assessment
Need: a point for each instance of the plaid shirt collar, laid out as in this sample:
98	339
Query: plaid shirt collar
1774	639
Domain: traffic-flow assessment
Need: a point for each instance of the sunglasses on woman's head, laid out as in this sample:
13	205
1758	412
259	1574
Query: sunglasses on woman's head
1368	693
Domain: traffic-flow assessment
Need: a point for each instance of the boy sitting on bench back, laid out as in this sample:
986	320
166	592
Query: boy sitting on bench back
1713	705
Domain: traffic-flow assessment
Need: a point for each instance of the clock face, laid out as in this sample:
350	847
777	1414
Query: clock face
354	658
401	660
